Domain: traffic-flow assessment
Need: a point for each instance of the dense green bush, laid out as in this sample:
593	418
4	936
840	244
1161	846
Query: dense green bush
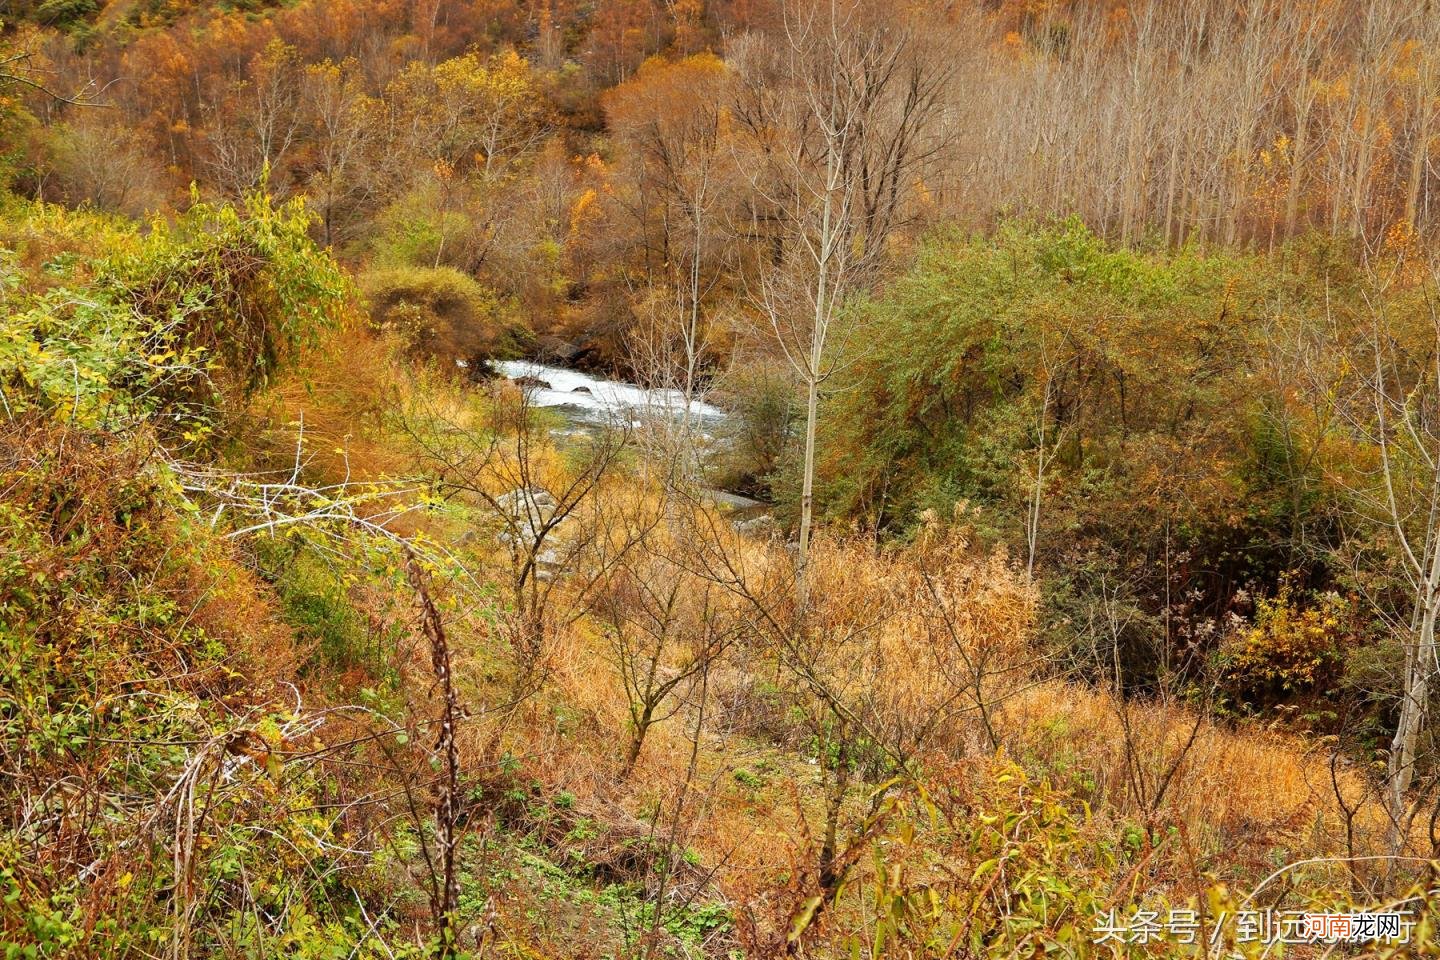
1136	380
315	602
944	394
760	398
176	325
132	658
443	313
149	710
420	229
61	13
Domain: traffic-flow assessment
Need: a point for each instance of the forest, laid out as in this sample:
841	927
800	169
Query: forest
719	479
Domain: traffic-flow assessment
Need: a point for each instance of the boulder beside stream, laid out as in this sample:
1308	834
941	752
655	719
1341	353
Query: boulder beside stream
528	512
531	383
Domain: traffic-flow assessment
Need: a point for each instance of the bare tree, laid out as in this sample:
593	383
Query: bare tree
19	68
1424	100
343	125
1047	442
1387	392
672	120
1408	435
836	151
665	628
254	122
559	536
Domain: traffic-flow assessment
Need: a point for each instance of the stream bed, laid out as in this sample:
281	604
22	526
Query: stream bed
587	400
595	399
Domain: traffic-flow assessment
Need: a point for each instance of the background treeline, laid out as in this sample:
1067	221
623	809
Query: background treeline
514	141
1237	122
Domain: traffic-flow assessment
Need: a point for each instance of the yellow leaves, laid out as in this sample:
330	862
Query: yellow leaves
328	71
657	70
985	868
578	210
667	96
468	107
1288	644
922	193
505	78
592	164
1404	245
1401	238
1338	90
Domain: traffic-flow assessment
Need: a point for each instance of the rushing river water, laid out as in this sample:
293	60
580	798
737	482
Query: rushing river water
593	398
588	400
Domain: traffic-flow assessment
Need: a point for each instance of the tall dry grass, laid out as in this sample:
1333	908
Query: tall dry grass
929	646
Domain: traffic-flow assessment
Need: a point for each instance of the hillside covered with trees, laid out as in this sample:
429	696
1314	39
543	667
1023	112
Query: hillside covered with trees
718	478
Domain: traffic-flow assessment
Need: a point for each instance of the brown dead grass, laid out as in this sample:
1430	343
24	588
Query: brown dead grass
899	630
341	391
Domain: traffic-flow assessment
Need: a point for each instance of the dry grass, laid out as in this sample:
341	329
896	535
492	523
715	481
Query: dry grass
342	392
902	629
931	645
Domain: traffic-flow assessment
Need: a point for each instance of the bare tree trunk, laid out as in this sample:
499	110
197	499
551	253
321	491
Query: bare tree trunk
853	132
812	401
1420	553
1423	95
1414	705
1032	518
1298	147
807	490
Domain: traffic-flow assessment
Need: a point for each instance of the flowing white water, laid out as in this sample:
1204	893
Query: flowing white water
603	399
594	398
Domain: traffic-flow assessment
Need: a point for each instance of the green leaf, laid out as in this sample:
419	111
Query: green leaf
804	918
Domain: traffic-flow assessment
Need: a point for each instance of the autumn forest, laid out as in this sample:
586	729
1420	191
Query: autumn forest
719	479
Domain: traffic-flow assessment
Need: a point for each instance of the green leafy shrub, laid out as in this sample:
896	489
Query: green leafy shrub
943	397
137	656
315	603
254	287
416	229
1134	383
60	13
178	325
443	313
132	657
1014	868
761	397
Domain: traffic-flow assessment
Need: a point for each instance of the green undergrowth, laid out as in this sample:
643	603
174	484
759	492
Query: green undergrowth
152	733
